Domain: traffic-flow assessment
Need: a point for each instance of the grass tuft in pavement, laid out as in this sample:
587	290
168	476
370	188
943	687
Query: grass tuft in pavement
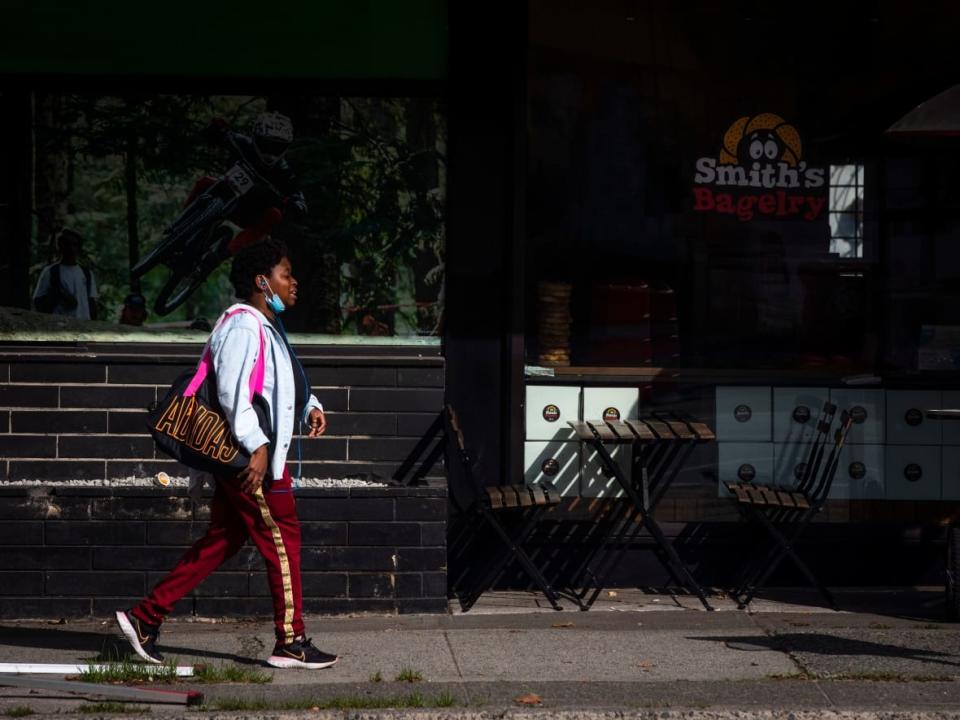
113	707
445	699
127	671
229	674
376	677
409	675
18	711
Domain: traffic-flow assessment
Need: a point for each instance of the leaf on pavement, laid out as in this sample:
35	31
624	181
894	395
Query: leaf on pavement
529	699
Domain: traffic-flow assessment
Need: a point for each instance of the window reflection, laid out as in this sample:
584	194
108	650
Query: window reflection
846	210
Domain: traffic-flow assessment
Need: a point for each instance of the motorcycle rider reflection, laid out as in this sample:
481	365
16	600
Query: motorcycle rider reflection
223	214
264	150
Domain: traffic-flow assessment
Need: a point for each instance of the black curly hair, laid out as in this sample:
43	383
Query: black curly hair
257	259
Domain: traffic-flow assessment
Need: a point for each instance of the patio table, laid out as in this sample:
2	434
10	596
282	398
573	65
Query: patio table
662	444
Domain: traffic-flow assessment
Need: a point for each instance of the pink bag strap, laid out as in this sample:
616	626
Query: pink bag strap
206	363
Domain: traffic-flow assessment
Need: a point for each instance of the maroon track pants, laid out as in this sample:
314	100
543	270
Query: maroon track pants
269	518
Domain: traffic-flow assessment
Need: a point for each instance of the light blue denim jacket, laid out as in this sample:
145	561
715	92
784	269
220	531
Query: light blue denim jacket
234	346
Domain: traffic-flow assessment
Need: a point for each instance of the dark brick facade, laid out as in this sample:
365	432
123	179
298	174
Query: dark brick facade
73	552
77	413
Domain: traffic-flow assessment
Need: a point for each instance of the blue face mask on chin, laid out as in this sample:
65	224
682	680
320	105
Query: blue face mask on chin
274	302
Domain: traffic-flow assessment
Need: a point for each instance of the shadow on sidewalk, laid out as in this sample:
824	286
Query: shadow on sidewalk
821	644
101	647
921	605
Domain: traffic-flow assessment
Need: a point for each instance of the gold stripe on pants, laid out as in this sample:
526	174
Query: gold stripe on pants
284	565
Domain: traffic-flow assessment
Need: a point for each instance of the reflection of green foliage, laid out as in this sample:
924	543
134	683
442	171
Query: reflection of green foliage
389	210
165	133
104	229
374	183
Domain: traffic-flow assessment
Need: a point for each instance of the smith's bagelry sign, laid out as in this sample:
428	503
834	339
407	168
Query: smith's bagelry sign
760	171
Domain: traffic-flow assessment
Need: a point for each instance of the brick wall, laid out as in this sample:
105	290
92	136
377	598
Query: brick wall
77	413
73	552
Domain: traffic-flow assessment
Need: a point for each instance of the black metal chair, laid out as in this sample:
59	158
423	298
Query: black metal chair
491	504
785	514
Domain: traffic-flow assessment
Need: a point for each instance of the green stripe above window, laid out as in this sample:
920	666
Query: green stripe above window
359	39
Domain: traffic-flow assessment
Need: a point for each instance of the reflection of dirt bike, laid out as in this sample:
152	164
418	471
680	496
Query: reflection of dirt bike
195	243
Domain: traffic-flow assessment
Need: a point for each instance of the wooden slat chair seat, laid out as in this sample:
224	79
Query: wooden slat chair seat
755	494
491	503
511	496
702	431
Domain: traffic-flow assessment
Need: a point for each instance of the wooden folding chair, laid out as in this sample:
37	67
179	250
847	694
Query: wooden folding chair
491	504
786	501
783	504
785	514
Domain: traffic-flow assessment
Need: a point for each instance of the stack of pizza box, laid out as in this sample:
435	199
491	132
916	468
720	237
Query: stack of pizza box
553	322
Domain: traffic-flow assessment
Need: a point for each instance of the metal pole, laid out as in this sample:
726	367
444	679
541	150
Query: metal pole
117	692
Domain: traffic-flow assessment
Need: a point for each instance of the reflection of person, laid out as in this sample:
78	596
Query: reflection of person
258	502
134	310
66	287
263	150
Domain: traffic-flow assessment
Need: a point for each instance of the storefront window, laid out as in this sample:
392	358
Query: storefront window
721	228
152	194
690	208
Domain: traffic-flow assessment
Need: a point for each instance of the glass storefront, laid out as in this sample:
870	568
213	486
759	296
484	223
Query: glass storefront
359	200
716	214
711	210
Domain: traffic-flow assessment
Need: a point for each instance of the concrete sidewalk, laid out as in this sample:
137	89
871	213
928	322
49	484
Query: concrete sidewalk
632	654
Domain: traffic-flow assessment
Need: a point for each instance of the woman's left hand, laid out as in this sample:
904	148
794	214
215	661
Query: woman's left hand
318	423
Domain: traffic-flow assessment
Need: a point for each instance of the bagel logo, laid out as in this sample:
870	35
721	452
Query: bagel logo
761	162
611	414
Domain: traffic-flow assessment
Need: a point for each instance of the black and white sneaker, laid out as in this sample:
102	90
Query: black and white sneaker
301	654
141	636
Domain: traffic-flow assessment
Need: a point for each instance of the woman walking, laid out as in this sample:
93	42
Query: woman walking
258	501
